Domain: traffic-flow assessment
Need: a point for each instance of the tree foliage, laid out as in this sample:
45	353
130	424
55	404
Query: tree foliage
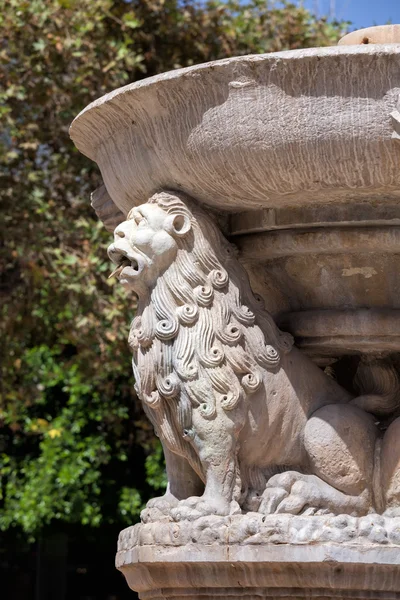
74	445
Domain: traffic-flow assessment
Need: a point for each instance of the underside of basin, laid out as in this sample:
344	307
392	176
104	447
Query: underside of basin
335	288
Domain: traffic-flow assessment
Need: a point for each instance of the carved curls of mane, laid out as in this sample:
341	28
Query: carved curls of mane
203	339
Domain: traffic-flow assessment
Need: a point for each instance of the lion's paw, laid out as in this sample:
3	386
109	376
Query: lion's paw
195	507
158	509
153	515
305	496
271	499
294	493
186	513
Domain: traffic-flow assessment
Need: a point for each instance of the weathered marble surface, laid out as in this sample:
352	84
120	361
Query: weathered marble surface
250	556
257	529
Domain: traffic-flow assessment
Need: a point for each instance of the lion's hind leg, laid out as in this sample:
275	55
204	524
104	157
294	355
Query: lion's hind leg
340	443
390	469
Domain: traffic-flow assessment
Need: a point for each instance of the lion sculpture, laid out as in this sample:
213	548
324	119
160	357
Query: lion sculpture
247	422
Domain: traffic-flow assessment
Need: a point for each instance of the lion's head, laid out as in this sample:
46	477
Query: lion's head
146	244
201	338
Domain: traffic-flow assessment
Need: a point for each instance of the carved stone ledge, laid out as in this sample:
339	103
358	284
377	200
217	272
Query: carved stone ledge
344	332
331	288
368	213
253	556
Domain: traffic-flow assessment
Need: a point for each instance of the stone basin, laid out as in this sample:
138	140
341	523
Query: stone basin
298	153
297	127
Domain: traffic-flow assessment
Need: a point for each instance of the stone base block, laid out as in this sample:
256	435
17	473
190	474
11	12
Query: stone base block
254	557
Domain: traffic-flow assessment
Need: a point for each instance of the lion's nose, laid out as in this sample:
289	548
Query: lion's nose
122	246
123	229
115	254
119	232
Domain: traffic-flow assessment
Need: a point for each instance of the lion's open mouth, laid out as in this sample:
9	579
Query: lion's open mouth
125	262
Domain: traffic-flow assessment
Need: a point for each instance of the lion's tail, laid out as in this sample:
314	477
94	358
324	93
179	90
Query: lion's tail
378	383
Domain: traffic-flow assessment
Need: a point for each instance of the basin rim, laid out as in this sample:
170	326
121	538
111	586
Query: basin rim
79	131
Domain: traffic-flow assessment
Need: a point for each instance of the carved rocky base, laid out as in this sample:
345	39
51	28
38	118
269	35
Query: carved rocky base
253	557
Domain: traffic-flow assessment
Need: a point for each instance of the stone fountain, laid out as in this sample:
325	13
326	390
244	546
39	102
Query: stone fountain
255	204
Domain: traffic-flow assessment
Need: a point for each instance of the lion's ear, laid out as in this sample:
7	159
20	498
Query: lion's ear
178	225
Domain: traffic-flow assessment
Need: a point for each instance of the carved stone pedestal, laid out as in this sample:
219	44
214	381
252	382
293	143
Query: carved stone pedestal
255	557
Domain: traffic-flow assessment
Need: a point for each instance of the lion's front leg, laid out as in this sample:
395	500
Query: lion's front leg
215	441
183	482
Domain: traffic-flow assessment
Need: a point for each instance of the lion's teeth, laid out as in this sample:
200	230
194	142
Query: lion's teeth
125	263
116	271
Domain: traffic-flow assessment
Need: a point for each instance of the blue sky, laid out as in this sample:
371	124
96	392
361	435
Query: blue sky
362	13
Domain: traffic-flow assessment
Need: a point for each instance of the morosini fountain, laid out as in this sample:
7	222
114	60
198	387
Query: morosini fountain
256	208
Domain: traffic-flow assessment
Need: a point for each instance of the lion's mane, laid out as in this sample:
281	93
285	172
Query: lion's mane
201	338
